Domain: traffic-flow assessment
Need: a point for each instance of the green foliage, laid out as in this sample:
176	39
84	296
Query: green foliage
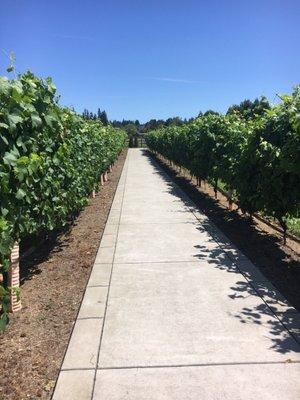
255	153
51	160
294	225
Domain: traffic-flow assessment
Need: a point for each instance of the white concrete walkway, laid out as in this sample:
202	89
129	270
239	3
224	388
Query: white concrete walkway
173	311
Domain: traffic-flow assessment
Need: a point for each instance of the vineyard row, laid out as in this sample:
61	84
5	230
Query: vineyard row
256	160
51	160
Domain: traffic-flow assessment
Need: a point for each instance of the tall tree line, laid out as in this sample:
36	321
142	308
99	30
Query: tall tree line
100	115
246	109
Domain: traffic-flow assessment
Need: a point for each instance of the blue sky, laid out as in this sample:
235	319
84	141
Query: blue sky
155	59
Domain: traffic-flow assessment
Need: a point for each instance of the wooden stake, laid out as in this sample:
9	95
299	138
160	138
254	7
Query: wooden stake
216	192
230	202
14	279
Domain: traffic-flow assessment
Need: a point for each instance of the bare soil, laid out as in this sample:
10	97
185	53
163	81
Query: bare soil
259	242
52	285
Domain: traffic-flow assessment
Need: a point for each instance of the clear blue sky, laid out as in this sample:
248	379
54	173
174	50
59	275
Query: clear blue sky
155	58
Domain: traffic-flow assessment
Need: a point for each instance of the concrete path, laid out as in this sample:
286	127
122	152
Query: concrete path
173	311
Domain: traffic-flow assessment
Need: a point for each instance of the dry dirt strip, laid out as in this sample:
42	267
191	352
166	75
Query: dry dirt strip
173	310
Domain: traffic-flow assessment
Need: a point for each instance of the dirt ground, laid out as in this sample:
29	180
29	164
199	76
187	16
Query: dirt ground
53	281
259	242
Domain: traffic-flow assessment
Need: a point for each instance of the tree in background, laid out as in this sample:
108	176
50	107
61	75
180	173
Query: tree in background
250	109
102	116
130	129
210	112
174	121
